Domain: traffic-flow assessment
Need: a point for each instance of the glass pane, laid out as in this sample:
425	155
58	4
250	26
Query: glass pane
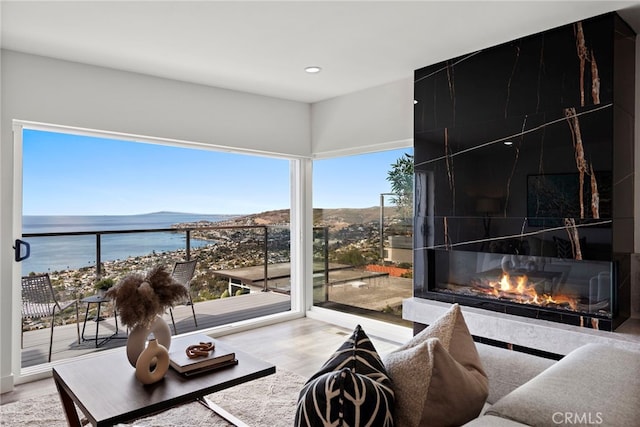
96	209
363	233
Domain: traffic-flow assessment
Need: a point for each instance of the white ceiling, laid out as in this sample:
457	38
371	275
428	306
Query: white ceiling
263	46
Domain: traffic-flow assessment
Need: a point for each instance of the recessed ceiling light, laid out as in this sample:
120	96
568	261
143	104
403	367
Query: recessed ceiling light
415	101
313	69
508	143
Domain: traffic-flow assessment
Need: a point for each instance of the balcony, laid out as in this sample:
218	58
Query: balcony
255	256
368	297
209	314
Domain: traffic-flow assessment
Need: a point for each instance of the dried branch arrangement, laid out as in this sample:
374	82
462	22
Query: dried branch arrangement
139	298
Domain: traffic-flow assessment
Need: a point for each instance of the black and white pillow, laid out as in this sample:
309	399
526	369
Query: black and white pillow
351	389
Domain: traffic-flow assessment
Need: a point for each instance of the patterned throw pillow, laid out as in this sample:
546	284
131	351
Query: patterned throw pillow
351	389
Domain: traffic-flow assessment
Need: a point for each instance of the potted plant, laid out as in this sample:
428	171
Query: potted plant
103	285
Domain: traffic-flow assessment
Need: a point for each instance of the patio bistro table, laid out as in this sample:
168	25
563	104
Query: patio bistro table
99	300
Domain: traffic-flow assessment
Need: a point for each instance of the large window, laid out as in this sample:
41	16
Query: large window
363	216
83	196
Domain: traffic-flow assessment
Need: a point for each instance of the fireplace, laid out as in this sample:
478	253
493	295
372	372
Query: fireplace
523	178
562	290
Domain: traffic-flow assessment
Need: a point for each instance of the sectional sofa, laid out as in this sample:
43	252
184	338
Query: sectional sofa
593	385
442	377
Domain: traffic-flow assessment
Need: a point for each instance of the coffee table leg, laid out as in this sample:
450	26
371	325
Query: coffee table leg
69	407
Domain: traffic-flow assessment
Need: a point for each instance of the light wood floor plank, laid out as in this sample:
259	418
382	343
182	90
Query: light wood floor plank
301	346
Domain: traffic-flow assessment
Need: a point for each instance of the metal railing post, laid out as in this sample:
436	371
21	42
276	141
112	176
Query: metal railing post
381	226
325	232
98	257
188	236
326	254
266	259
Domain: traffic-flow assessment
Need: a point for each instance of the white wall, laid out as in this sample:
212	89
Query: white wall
41	89
58	92
379	118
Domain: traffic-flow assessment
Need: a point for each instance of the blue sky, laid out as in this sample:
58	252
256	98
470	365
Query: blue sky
78	175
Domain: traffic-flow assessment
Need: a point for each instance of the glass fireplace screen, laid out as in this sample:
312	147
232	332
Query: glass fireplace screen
545	282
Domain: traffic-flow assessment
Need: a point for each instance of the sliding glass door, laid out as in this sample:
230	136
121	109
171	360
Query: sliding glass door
94	209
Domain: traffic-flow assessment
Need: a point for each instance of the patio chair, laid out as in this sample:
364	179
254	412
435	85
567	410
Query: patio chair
182	273
39	302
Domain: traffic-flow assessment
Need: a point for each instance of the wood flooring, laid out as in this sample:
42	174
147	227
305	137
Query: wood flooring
301	346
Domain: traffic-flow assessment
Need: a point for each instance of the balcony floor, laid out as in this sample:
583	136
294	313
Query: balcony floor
349	291
208	313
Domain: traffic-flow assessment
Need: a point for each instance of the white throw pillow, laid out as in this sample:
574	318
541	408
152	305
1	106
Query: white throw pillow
437	376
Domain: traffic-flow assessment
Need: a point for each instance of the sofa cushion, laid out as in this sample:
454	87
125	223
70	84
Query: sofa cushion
438	377
594	384
351	389
508	369
492	421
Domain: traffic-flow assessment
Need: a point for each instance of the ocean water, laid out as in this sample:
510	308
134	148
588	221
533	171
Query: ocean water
71	252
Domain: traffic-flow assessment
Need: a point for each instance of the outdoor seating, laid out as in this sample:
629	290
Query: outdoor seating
182	273
39	301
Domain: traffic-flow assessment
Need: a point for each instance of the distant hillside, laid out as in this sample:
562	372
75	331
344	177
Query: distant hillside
321	217
347	216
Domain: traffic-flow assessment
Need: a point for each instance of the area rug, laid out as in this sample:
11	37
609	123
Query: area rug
268	401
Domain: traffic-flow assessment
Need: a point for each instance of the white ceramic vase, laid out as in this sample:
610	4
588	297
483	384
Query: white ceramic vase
152	363
137	341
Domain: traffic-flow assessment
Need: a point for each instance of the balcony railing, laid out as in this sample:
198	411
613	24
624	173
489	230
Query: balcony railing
262	250
258	246
186	230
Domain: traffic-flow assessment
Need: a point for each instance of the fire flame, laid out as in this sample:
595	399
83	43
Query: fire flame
519	289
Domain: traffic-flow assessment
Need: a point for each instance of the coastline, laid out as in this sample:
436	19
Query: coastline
63	242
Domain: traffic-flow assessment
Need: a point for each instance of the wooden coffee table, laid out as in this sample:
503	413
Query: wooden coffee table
106	390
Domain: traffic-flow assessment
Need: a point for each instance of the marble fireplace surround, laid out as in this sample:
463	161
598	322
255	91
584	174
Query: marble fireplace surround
460	156
536	334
